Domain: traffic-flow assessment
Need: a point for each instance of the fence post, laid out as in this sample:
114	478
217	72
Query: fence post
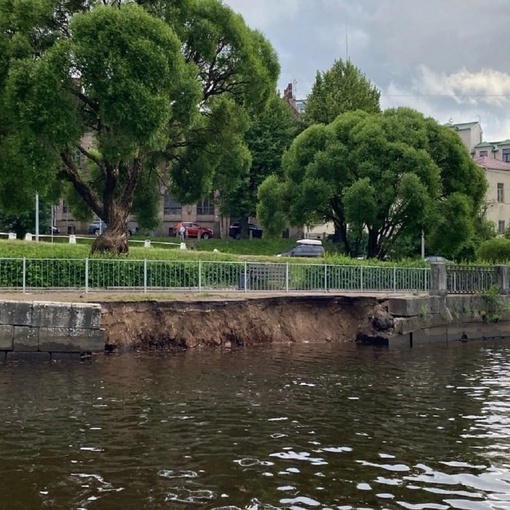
86	275
200	276
361	279
502	279
394	278
145	276
325	277
438	280
286	277
24	277
246	277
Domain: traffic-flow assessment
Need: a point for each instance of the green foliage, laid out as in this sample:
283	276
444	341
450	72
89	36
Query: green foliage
165	88
341	89
24	222
495	250
495	304
388	174
270	134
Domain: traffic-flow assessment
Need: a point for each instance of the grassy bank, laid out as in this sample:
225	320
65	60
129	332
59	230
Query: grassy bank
168	248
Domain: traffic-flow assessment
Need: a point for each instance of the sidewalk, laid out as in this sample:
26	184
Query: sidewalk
74	296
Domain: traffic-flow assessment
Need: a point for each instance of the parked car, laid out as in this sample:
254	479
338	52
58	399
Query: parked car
305	248
193	230
437	259
52	230
234	230
97	227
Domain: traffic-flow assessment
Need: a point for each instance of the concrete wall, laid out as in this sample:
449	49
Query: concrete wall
45	330
443	319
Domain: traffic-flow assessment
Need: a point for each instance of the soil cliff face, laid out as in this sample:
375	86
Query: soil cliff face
187	324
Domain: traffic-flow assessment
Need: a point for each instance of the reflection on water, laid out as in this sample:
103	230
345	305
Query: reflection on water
300	427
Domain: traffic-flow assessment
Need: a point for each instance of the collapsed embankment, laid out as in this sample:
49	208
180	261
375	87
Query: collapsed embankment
185	324
29	324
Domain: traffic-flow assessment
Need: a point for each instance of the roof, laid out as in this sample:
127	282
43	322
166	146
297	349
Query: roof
464	126
493	145
491	163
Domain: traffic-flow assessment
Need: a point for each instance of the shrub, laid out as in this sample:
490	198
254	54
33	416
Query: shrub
494	250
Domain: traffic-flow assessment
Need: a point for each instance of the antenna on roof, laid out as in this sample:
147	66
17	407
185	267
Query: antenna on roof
346	43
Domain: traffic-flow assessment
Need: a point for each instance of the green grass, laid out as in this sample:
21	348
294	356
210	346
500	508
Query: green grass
169	249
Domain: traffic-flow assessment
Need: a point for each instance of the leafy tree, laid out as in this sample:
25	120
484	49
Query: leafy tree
23	222
388	174
164	88
270	134
341	89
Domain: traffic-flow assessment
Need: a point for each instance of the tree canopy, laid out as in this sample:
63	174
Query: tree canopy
114	99
341	89
271	132
388	174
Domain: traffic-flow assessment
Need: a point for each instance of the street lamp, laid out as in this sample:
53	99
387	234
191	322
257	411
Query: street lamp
37	217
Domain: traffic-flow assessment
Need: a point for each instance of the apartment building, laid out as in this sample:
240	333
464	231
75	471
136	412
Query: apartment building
494	158
205	212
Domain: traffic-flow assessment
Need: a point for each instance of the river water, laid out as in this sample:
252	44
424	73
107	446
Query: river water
301	427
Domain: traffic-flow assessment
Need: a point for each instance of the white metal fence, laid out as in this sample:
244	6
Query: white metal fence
161	275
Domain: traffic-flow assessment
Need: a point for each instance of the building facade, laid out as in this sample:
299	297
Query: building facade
494	158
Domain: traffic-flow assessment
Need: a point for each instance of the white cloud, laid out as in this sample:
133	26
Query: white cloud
485	86
461	96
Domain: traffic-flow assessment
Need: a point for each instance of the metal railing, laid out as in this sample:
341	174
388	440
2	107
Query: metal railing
162	275
469	279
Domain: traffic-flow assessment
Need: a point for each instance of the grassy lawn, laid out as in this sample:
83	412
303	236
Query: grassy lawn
168	248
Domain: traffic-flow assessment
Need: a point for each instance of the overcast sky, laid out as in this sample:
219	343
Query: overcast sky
449	59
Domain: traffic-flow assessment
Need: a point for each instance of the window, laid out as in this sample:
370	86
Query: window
501	192
501	226
506	155
483	153
65	208
205	207
171	206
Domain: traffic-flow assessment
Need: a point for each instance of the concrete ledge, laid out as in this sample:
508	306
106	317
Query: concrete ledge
28	356
46	327
17	313
76	340
416	306
6	337
26	338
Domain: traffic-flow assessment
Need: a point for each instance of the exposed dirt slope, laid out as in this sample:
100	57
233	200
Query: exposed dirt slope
167	324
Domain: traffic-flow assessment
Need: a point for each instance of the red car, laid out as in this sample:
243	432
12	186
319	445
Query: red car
193	230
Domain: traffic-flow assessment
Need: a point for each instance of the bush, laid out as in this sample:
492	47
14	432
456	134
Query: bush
494	250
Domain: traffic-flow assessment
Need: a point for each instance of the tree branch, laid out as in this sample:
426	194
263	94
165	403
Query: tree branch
72	173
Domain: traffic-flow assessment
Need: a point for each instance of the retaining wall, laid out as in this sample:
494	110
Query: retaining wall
444	319
46	330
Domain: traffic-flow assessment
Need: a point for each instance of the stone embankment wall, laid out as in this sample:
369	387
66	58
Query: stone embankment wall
44	330
415	321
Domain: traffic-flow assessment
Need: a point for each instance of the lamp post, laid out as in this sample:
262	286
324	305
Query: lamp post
37	217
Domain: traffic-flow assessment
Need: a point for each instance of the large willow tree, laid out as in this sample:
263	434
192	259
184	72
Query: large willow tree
119	100
385	175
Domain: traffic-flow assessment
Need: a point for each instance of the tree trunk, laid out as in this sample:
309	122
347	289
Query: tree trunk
116	210
111	242
244	230
373	248
114	239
